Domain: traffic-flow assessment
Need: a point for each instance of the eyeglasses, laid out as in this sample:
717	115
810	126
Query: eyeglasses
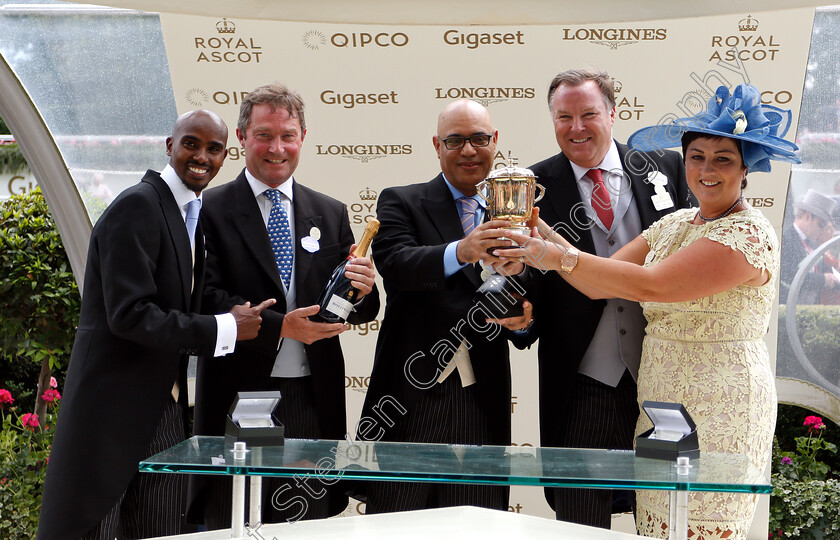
478	140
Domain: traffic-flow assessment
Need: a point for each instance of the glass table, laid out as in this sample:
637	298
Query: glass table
329	461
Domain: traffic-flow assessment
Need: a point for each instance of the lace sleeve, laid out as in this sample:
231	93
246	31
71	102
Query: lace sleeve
751	234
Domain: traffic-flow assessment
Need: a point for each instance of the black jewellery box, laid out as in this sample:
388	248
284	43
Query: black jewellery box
251	420
674	433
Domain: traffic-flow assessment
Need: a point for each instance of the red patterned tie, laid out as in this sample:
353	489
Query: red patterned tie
601	198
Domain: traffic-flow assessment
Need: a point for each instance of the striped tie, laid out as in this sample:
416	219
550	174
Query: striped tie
601	198
468	209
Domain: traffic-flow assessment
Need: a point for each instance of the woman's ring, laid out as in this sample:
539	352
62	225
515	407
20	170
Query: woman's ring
522	259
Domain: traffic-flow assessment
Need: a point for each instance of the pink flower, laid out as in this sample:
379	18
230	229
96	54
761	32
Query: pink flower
53	382
29	421
814	423
6	397
786	461
51	395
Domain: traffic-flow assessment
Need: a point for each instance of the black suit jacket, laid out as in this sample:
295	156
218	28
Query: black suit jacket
241	267
137	324
426	313
566	322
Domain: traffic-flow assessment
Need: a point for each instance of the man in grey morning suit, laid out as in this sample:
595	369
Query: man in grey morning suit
589	350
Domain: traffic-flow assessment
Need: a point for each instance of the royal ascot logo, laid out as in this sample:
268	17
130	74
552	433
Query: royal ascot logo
501	159
226	47
360	213
225	27
474	40
614	37
748	25
199	97
314	39
484	94
746	45
626	107
363	152
349	101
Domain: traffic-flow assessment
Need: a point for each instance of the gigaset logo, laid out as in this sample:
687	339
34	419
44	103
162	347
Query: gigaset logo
314	39
474	40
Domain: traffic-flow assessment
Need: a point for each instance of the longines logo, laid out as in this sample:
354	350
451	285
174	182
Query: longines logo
363	152
314	39
348	101
227	47
357	384
198	97
626	107
746	45
475	40
615	37
484	94
360	213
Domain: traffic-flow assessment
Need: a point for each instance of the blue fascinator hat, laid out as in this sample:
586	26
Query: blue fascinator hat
739	116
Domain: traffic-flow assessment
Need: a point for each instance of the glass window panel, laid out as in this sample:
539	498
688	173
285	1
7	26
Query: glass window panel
101	81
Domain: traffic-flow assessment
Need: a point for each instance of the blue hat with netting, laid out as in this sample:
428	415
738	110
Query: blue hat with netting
741	115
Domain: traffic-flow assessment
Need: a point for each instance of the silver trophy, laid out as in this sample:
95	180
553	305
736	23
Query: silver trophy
510	193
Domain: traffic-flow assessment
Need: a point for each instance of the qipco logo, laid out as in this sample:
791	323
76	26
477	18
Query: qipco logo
365	39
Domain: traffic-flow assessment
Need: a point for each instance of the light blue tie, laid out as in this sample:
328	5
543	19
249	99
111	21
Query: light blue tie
280	236
469	206
193	209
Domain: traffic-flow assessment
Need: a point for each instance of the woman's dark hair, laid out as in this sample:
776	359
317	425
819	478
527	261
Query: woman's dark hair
690	136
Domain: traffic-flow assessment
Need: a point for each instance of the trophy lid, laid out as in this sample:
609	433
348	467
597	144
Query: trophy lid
511	171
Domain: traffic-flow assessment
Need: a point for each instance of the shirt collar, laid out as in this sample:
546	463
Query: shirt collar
611	162
456	194
259	187
183	195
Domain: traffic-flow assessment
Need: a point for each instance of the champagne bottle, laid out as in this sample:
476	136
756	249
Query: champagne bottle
339	295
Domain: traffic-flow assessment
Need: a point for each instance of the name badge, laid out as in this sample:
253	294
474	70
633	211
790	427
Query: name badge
661	198
310	244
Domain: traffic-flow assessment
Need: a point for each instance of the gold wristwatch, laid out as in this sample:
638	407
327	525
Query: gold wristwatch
569	260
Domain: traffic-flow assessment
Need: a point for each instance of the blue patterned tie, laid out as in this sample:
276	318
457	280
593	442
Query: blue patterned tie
280	237
193	208
469	206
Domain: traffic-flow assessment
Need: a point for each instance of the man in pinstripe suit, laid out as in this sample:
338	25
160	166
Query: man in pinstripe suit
590	350
441	371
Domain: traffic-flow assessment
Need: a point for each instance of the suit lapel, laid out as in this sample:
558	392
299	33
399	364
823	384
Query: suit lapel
307	216
177	233
563	198
443	214
247	219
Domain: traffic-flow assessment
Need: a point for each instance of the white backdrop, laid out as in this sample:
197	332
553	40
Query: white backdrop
373	93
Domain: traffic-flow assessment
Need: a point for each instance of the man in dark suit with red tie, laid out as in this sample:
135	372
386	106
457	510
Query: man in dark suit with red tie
599	195
267	234
441	372
125	396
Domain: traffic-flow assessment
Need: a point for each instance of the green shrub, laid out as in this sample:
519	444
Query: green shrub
24	454
39	299
11	159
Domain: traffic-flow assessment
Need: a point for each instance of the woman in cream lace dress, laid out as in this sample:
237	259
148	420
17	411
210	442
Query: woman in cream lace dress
706	279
